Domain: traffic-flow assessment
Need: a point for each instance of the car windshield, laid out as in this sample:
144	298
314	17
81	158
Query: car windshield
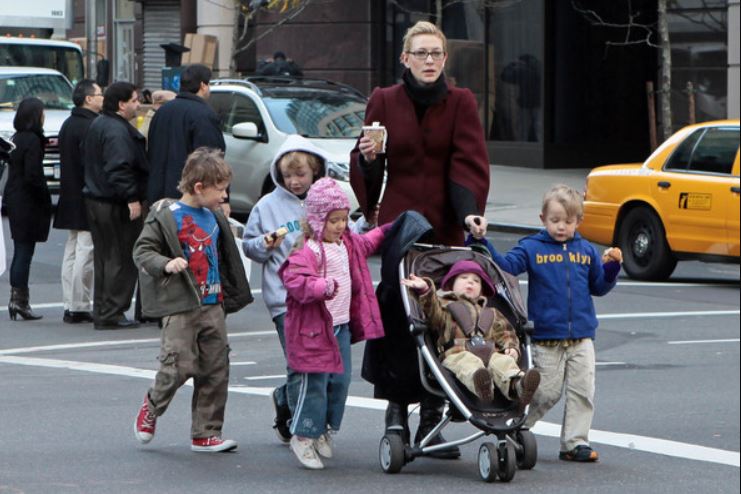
317	114
53	90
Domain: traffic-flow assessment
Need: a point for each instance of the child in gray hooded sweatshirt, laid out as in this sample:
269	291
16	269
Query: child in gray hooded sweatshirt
269	236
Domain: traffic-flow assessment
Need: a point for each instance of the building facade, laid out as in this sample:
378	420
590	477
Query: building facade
553	89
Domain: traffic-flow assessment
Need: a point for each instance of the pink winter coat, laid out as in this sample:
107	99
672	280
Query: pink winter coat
310	342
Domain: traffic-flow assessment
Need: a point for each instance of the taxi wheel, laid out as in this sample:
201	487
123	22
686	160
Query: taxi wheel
647	255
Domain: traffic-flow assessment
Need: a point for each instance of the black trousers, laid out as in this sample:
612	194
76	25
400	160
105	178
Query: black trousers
114	235
20	266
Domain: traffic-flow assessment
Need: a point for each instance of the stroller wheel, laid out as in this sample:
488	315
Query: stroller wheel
507	461
488	462
527	450
391	453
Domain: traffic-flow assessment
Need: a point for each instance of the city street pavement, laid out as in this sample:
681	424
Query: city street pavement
516	195
666	414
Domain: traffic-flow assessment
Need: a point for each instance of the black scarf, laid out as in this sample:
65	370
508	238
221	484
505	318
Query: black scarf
424	96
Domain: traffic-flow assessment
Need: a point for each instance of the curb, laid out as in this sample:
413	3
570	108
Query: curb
512	228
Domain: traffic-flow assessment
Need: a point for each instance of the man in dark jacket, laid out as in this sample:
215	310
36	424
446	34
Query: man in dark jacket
115	187
77	261
178	128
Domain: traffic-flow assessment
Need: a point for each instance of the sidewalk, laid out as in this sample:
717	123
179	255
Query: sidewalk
516	195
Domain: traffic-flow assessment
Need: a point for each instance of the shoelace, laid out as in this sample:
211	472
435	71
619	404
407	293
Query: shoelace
308	450
149	420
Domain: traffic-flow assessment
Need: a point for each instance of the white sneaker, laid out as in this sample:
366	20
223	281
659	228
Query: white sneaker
303	448
324	444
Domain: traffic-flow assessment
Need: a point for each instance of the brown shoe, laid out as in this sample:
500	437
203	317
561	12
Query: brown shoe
482	385
525	387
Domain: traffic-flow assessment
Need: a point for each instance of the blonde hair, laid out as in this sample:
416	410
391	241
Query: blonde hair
205	165
423	27
568	197
294	159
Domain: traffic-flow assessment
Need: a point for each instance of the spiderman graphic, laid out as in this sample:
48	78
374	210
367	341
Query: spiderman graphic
201	254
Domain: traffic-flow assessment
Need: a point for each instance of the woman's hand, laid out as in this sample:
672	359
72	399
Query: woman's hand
367	147
476	225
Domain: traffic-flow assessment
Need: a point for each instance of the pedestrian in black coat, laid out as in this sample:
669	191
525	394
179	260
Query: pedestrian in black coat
115	188
178	128
27	201
77	260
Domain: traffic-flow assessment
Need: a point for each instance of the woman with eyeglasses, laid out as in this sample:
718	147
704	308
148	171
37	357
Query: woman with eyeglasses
436	163
27	201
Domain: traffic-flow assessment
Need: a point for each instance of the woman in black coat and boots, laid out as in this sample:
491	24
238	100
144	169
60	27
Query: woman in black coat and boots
27	201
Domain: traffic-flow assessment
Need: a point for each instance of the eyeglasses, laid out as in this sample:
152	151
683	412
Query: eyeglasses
436	55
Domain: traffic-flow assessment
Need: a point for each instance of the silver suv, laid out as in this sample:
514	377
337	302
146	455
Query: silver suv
54	90
258	113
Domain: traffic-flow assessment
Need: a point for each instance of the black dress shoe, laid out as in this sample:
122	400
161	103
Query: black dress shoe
120	324
73	317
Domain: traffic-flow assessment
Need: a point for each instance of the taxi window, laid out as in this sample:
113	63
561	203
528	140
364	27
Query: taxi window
716	151
680	158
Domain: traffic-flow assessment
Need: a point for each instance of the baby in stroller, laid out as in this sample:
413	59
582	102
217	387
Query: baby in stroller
470	338
475	342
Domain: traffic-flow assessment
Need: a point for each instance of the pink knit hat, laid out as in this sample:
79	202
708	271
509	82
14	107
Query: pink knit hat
323	197
465	266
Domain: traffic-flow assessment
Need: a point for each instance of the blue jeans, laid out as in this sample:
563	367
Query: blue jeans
287	392
321	398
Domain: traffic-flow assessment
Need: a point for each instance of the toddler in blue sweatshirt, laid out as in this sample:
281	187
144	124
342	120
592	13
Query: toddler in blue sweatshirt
564	272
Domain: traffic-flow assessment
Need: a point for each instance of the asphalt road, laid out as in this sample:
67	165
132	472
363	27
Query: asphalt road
667	406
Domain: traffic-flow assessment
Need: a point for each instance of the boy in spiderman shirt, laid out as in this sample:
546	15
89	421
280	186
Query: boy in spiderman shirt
191	275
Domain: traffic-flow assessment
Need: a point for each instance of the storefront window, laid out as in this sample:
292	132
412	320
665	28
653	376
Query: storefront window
698	32
516	47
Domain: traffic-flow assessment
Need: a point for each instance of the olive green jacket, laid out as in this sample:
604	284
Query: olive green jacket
165	294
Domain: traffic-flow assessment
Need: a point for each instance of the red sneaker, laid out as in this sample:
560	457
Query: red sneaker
145	423
213	444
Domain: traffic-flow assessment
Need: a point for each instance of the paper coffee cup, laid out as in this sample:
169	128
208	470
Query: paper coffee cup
377	133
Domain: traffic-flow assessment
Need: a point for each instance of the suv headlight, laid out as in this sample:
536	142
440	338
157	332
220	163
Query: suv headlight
338	171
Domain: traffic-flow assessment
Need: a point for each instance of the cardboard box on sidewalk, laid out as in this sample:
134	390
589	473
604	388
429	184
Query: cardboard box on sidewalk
202	49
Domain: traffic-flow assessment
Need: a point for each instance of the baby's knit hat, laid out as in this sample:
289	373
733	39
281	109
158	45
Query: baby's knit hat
466	266
323	197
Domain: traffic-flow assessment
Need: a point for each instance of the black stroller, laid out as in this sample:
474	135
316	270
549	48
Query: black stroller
515	446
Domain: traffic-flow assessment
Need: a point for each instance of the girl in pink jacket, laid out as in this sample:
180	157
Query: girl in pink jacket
330	305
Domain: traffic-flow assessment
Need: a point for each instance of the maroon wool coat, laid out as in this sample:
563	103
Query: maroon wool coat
422	158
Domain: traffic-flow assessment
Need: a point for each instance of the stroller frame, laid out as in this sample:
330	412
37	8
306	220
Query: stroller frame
515	445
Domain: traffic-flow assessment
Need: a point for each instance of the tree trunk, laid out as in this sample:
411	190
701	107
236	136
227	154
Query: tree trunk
665	86
236	36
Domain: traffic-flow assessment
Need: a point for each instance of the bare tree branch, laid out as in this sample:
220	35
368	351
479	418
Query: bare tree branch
293	13
644	31
714	23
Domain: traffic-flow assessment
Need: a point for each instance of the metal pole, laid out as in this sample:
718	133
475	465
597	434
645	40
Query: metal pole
92	37
691	102
651	115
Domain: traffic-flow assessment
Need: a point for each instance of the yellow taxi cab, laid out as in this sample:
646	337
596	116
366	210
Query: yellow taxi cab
681	203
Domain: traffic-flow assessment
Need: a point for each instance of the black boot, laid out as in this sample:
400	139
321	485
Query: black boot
396	420
430	414
18	305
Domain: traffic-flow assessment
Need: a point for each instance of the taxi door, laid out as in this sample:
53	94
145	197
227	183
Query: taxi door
734	211
694	193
